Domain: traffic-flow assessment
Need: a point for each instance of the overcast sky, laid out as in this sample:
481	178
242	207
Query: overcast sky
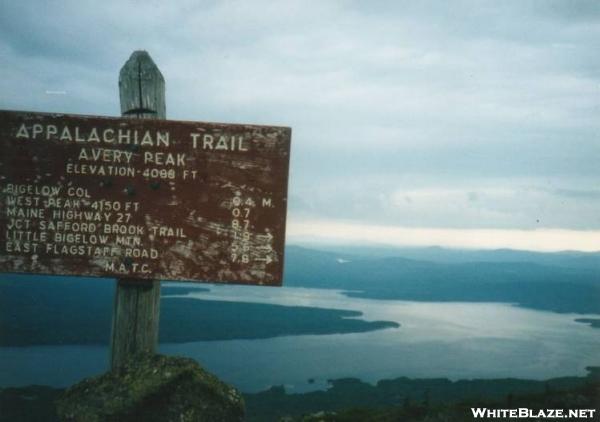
410	118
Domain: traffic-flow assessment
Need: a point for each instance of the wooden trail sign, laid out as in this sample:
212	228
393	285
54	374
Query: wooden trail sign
150	199
142	199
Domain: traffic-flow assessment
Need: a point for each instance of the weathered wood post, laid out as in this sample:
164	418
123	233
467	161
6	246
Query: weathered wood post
137	302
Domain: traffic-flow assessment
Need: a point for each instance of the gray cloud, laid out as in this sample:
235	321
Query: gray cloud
386	99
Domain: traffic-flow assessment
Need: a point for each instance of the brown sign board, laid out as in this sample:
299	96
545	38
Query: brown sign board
146	199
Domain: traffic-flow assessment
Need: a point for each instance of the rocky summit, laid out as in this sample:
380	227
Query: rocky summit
152	388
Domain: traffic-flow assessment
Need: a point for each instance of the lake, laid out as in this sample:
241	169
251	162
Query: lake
435	339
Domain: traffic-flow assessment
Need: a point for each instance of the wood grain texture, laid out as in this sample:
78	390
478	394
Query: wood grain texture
136	316
136	312
142	88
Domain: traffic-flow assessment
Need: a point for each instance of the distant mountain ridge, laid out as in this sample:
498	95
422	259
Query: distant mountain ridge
572	285
447	255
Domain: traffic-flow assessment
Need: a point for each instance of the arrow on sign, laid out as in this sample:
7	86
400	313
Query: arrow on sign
267	236
266	260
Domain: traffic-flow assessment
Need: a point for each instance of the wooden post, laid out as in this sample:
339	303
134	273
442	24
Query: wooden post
137	302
